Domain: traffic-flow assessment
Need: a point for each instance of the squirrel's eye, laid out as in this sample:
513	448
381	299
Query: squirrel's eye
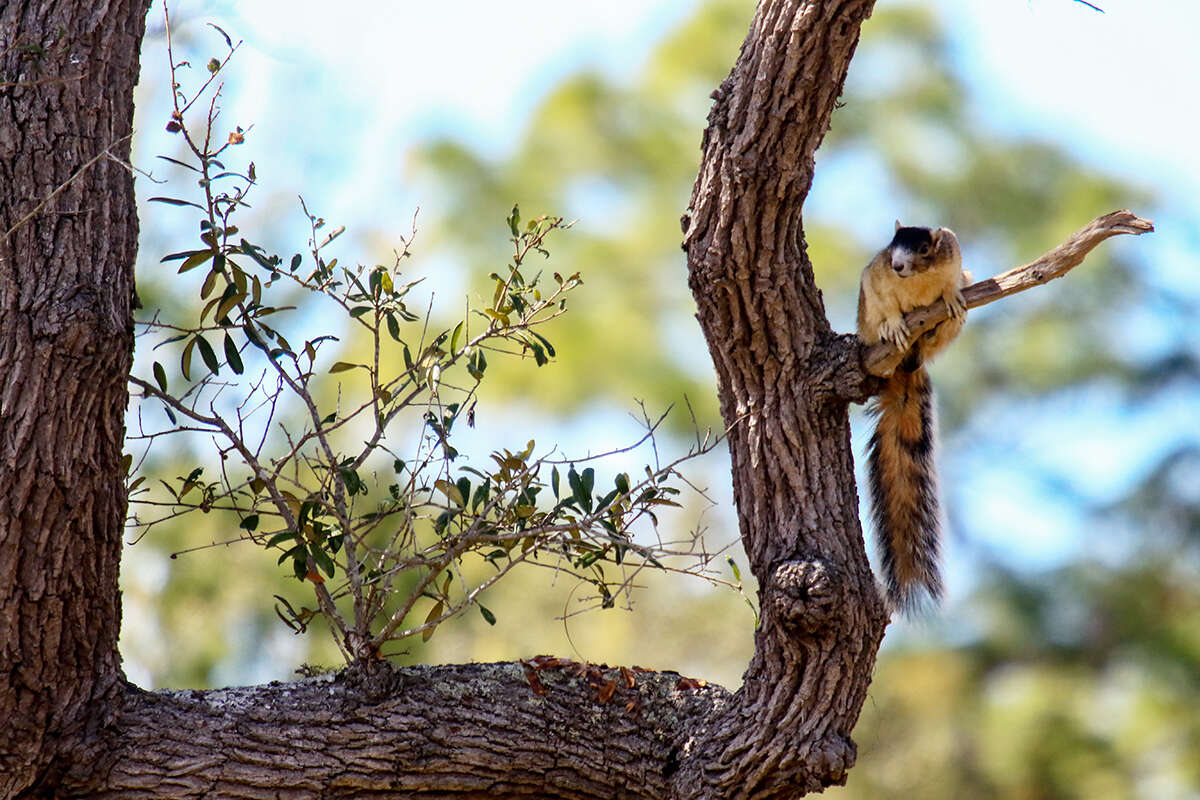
925	249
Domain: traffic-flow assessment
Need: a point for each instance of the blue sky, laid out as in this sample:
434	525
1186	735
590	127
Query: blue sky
1120	86
365	84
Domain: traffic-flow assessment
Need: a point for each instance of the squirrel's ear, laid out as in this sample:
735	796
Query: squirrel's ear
898	226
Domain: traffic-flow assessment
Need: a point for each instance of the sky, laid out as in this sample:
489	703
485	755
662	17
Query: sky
363	87
1116	85
338	99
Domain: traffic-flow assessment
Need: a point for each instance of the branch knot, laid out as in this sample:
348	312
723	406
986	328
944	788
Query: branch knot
807	594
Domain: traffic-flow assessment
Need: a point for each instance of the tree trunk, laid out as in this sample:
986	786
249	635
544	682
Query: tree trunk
66	337
75	728
793	472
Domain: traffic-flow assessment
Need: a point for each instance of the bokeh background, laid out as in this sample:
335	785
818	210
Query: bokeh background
1066	659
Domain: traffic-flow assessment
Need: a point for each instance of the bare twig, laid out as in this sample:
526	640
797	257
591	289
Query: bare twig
881	359
103	154
40	81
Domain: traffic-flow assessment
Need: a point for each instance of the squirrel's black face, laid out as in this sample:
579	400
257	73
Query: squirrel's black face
912	250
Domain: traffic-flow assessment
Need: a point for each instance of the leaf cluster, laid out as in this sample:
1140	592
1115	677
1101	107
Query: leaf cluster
363	498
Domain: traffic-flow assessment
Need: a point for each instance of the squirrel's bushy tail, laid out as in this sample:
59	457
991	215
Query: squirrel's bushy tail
904	495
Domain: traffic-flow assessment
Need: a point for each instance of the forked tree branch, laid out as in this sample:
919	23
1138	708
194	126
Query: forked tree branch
881	359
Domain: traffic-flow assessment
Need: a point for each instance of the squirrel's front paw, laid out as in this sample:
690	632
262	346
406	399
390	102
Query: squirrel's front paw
957	305
894	331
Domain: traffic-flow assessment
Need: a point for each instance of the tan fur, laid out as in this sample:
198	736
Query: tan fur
885	296
901	469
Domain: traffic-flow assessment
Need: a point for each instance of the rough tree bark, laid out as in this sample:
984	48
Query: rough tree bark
74	728
788	729
67	73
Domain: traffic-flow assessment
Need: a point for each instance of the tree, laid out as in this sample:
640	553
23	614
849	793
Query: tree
956	697
785	382
66	340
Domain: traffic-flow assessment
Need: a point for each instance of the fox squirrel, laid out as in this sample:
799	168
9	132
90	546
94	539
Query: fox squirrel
918	267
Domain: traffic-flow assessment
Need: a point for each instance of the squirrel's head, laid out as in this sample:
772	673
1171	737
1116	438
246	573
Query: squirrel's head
915	250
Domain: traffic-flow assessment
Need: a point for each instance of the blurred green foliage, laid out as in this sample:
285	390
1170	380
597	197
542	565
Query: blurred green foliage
1075	680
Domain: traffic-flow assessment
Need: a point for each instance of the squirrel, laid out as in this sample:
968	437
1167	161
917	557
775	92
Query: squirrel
918	267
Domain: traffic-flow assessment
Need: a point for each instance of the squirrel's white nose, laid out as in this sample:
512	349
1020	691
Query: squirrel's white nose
901	261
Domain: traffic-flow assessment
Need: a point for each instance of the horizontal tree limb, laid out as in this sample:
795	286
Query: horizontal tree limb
881	359
543	728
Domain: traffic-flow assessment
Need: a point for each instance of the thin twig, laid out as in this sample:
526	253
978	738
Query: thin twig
106	152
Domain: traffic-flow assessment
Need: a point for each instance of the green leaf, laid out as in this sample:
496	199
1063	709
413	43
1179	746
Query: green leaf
252	335
476	365
185	361
178	163
482	492
250	523
174	201
296	551
232	355
352	481
230	299
279	538
252	250
217	28
513	222
181	255
573	482
498	316
342	366
206	353
554	481
581	487
160	375
451	491
323	560
458	329
622	483
300	565
487	615
434	613
210	282
195	260
606	501
392	325
549	347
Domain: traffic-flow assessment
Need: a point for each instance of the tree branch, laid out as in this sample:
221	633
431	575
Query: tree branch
542	728
881	359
